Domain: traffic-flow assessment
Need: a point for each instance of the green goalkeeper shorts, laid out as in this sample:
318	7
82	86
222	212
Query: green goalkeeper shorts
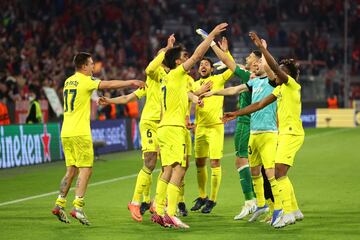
241	139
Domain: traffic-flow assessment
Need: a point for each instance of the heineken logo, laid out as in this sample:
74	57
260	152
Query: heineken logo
22	145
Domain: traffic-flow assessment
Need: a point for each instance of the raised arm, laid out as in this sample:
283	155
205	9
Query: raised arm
267	69
230	63
157	61
249	109
116	84
203	47
274	66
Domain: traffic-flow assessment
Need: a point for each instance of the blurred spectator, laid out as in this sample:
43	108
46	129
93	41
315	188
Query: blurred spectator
332	102
35	114
4	113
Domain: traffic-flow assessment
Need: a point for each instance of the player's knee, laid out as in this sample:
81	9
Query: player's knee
150	159
270	172
150	164
281	170
255	171
200	162
71	173
166	173
215	163
241	162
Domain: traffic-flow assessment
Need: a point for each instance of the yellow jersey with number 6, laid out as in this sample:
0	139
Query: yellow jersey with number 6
77	95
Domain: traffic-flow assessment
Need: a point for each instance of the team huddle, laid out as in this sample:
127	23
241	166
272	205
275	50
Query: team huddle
268	131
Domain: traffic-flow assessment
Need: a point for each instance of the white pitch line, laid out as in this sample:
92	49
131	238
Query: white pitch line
134	175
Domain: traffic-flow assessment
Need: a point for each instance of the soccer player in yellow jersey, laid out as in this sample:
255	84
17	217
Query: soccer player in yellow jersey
150	118
291	132
171	130
76	133
209	134
189	125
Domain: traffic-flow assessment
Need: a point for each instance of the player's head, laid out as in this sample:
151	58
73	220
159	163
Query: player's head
291	68
84	63
175	56
252	58
258	67
206	67
34	92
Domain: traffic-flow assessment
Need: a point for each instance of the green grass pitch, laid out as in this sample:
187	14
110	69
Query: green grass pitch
326	179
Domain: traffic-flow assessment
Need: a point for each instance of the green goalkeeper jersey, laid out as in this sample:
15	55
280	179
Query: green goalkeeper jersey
245	97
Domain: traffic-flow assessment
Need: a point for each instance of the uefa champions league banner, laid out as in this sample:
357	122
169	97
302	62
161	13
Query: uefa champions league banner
113	133
22	145
229	127
308	118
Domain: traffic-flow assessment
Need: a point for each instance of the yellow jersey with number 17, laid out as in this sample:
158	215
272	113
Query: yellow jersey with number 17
77	95
174	101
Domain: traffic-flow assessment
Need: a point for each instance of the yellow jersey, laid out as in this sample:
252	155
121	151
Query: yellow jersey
212	111
191	83
289	107
174	98
154	72
77	95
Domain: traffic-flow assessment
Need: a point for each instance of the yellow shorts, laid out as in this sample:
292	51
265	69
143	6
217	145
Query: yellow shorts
287	148
262	149
78	151
148	133
172	145
209	141
188	142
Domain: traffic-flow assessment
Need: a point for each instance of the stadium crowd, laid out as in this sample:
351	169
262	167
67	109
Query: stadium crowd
38	39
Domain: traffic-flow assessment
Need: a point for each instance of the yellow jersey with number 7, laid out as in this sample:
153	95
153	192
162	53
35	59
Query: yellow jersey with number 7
174	98
77	95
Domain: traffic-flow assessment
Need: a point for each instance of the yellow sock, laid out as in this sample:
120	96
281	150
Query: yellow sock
78	202
160	198
215	182
61	201
182	192
270	203
202	177
285	193
294	204
258	183
146	192
275	188
142	182
173	192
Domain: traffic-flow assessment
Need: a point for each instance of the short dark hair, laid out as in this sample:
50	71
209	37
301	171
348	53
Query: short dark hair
209	60
81	59
257	53
172	55
36	90
292	66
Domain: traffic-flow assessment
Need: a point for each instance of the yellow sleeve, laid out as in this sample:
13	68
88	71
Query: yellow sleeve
292	83
140	93
228	73
190	84
92	84
276	92
154	64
